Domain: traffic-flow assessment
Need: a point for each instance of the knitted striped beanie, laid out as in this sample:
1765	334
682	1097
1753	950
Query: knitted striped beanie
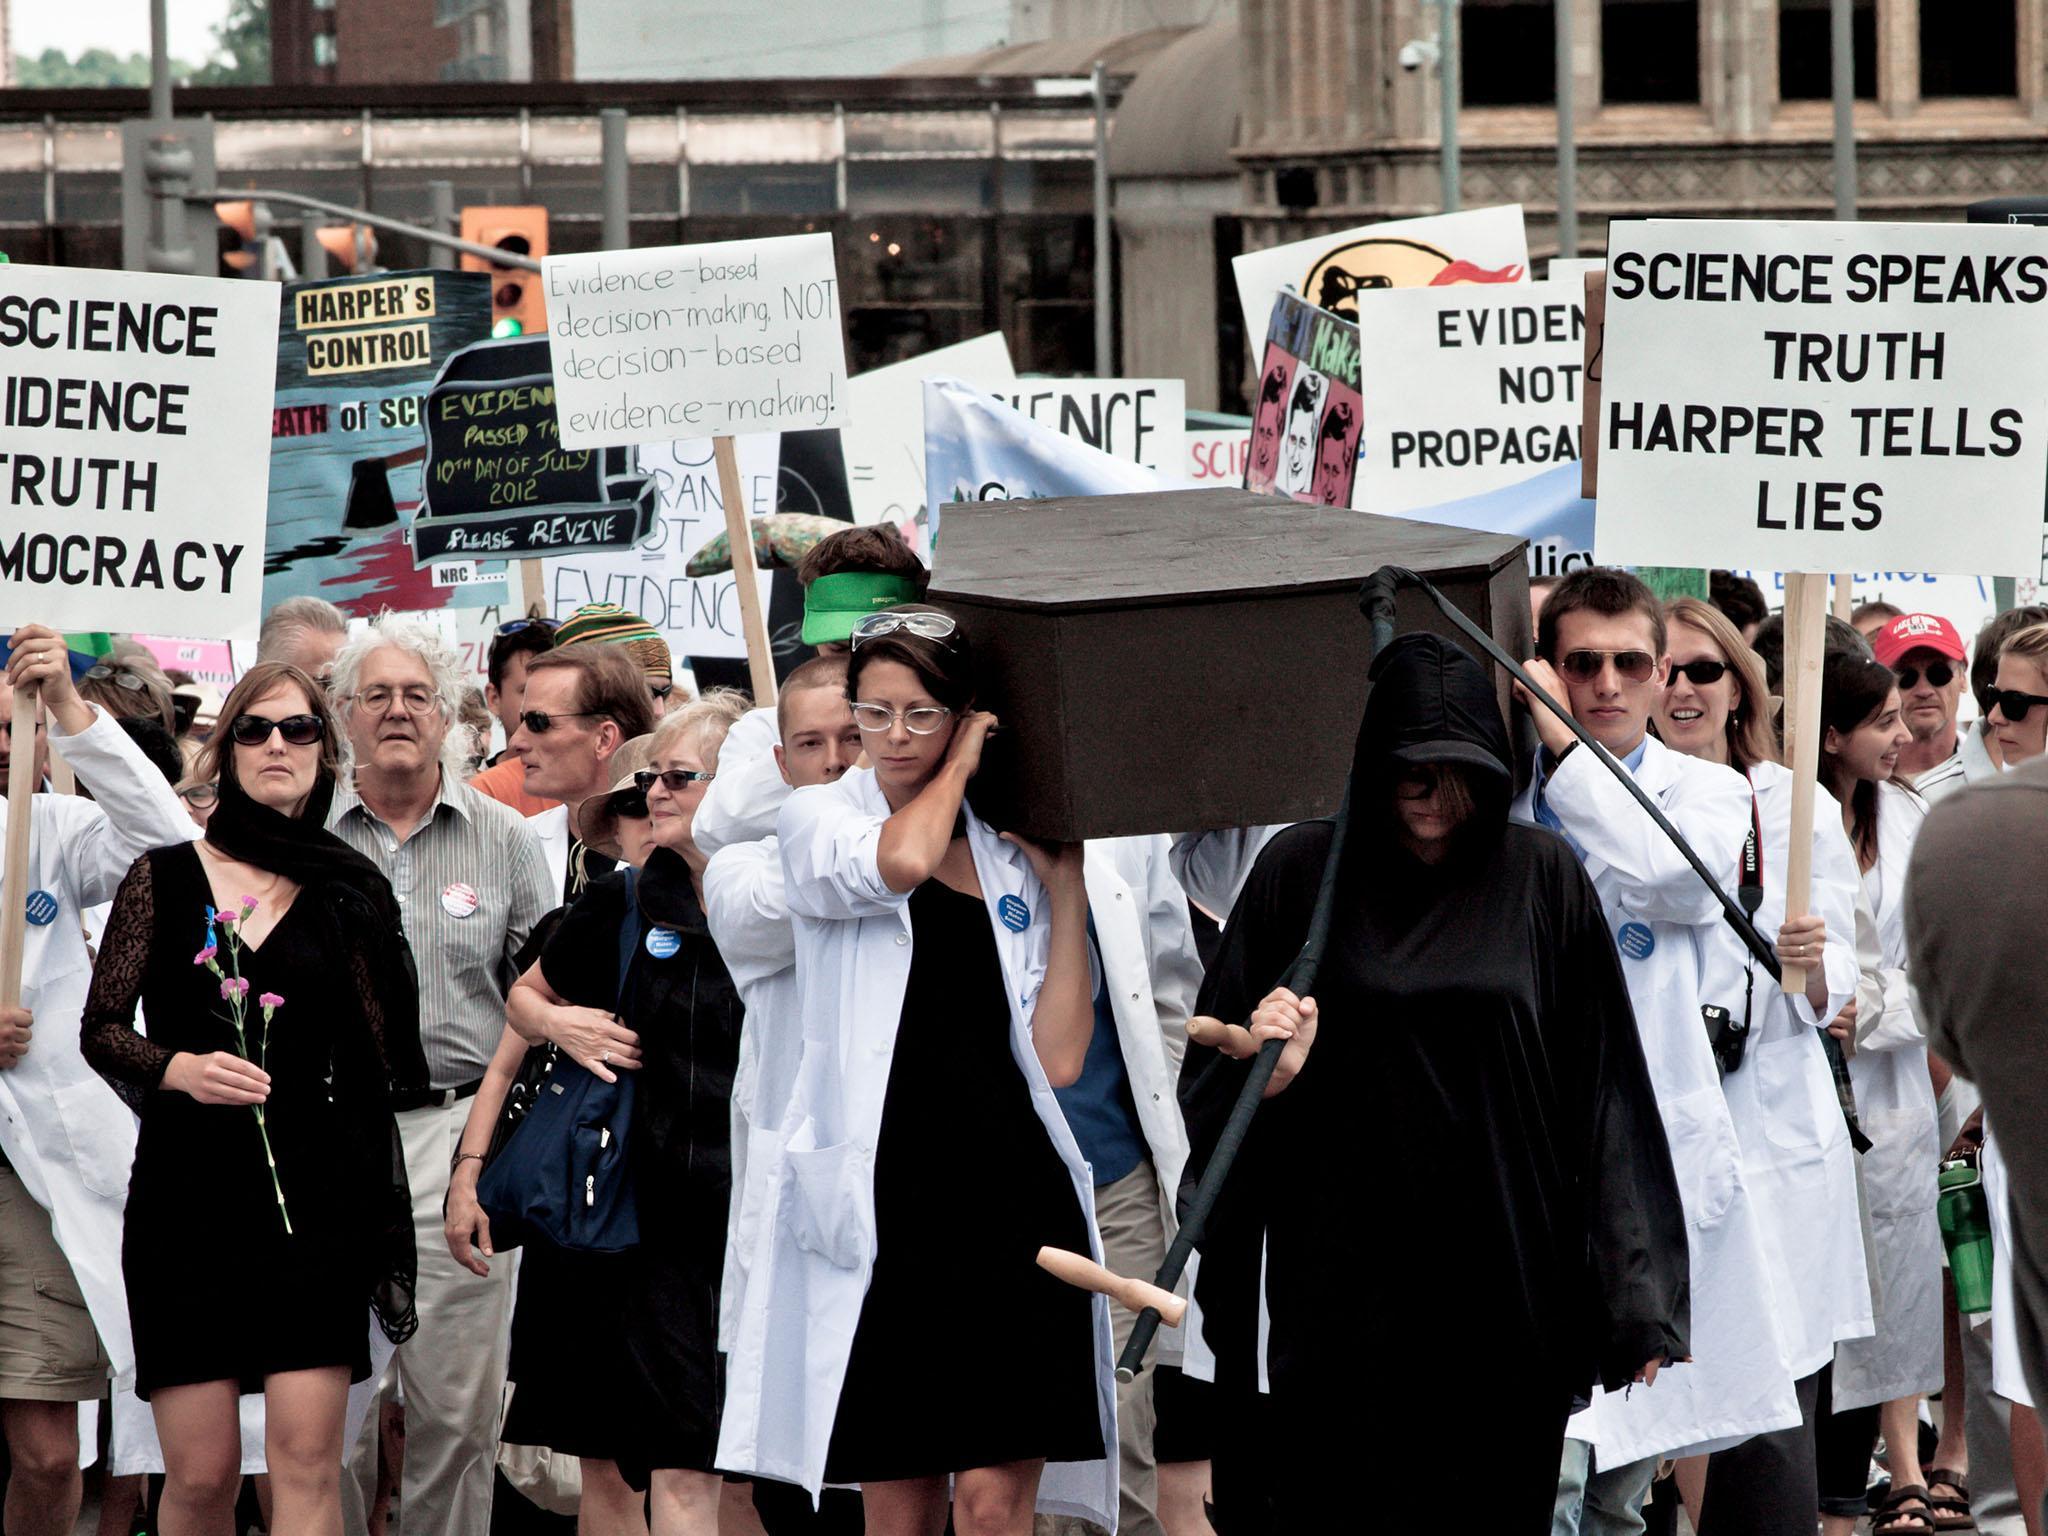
609	624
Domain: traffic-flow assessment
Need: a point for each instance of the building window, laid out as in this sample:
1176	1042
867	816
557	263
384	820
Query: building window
323	5
1805	54
1503	46
323	50
1649	51
1969	48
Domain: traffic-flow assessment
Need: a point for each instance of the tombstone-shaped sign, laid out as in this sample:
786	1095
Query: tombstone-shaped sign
499	483
1177	660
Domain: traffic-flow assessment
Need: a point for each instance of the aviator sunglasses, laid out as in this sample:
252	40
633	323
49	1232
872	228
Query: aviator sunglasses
1939	673
298	730
1633	666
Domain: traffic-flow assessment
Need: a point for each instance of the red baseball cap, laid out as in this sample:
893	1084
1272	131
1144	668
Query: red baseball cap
1917	632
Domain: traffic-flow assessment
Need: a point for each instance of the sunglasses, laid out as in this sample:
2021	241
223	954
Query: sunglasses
540	722
517	626
926	626
1939	673
2013	704
200	795
661	691
116	674
1701	674
674	780
1584	666
627	804
298	730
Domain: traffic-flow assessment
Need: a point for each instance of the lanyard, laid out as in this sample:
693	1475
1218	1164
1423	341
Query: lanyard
1749	890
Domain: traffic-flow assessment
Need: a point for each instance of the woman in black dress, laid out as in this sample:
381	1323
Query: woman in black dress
268	1201
968	1184
637	1397
1457	1195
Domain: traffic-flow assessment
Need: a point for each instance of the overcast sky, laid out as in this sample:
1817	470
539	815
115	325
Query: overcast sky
121	26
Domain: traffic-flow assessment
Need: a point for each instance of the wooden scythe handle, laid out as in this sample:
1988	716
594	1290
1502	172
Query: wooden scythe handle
1135	1295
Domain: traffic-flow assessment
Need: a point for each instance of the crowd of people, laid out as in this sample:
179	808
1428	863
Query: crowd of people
1557	1199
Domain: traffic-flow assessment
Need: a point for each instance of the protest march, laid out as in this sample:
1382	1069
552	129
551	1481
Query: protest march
617	923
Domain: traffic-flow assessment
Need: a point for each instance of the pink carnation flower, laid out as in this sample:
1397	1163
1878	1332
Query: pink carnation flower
205	955
234	986
270	1000
248	903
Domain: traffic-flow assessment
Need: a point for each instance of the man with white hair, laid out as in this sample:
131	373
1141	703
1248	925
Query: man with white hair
305	631
471	882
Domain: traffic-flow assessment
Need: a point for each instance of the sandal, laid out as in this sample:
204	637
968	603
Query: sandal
1893	1518
1951	1510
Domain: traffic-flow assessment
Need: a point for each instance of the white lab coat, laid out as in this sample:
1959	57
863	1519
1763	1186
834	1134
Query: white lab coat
1213	866
1796	1156
1737	1384
2008	1374
1895	1102
66	1133
815	1246
551	826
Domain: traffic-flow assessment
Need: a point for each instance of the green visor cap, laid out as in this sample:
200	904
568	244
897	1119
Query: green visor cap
833	604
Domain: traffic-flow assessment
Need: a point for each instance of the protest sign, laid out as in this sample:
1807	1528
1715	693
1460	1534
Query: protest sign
884	444
697	617
133	428
204	661
1143	421
1217	455
499	483
1305	423
979	449
353	361
1816	397
670	343
1481	245
1545	509
1467	389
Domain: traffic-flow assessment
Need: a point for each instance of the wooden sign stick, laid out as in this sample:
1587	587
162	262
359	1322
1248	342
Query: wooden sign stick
1133	1295
1806	612
62	780
532	593
1845	595
739	533
21	793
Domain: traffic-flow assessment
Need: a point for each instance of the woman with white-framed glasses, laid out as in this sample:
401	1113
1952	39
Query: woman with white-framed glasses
944	981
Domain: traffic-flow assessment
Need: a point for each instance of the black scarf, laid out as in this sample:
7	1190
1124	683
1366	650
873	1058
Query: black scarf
300	848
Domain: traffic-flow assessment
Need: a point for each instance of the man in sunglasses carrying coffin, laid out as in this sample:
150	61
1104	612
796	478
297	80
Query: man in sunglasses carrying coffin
1926	654
66	1139
471	882
1601	649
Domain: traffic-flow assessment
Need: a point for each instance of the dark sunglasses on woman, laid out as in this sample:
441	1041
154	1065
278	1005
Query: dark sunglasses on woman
1584	666
2013	704
298	730
674	780
1701	674
1939	673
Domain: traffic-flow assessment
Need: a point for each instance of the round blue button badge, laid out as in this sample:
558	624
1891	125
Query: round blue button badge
42	908
1636	941
663	942
1014	914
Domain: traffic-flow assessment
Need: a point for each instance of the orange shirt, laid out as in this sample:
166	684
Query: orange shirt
506	783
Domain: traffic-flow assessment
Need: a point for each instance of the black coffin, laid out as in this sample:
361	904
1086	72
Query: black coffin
1178	660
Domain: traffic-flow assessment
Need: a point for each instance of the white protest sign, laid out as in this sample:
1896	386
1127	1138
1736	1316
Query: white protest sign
682	341
1141	421
134	450
1823	397
697	616
1217	455
884	442
1466	389
1480	245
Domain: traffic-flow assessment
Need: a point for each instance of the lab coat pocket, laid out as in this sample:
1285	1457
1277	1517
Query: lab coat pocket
832	1189
1704	1153
1900	1169
764	1152
1785	1089
101	1135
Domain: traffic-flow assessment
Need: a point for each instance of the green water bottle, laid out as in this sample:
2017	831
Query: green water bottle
1965	1217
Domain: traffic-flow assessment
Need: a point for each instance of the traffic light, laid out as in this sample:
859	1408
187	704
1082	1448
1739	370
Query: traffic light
516	306
250	224
351	248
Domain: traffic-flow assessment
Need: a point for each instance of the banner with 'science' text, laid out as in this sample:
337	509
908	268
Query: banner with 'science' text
1824	397
134	450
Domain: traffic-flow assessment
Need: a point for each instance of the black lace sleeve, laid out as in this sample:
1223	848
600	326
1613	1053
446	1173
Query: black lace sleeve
133	1063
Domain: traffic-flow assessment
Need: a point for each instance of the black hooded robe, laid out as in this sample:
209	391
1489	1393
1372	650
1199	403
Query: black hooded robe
1465	1198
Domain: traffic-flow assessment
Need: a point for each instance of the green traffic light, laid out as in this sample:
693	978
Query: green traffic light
506	327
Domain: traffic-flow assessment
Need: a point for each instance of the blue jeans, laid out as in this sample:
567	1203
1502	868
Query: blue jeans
1608	1502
